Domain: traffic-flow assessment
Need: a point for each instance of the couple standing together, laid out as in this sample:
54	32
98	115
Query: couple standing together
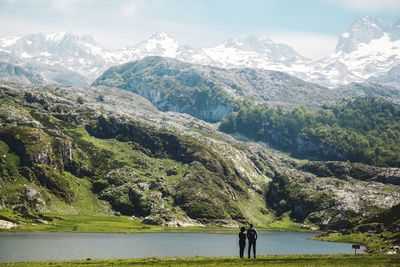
251	235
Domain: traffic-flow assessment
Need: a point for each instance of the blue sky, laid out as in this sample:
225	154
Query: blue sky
310	26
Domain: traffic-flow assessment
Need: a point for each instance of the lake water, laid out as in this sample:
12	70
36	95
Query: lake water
63	246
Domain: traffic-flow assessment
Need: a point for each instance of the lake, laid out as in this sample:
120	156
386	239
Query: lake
66	246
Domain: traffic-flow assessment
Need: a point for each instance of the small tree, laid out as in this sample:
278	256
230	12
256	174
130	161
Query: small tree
80	100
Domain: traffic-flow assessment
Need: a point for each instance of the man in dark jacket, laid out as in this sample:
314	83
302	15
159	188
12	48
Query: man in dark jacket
252	237
242	241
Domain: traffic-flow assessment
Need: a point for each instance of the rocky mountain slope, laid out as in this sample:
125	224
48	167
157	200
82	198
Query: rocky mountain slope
75	56
13	72
368	51
210	93
105	150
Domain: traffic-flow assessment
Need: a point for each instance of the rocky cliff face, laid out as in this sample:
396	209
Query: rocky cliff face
171	86
11	72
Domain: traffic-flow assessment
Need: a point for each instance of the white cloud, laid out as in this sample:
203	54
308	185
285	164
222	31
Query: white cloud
65	5
130	7
311	45
392	6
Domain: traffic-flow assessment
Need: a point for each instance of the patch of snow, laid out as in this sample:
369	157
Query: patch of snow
56	37
46	54
8	41
25	55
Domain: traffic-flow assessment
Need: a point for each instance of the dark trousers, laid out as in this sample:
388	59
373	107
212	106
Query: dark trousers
242	245
252	243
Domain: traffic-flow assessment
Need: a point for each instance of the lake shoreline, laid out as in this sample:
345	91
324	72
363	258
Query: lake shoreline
127	225
106	224
22	247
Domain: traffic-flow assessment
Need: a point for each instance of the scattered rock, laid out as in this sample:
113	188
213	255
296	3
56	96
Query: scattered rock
172	171
7	225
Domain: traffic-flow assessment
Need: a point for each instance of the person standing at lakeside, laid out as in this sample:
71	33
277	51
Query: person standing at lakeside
252	237
242	241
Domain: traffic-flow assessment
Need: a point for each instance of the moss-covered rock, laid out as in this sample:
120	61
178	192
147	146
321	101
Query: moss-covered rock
55	181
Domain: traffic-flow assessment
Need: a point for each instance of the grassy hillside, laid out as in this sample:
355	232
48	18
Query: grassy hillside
61	157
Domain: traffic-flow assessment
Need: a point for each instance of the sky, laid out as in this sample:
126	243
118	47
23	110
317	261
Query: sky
309	26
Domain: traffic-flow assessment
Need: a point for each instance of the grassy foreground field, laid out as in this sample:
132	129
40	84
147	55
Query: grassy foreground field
293	260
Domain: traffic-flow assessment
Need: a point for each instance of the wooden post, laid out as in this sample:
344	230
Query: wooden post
355	247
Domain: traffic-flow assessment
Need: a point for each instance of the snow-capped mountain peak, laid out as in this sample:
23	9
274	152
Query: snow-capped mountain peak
55	43
361	31
60	52
369	49
257	52
251	42
162	36
162	44
56	37
262	45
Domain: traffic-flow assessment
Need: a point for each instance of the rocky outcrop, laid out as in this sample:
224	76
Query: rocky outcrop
171	89
7	225
347	170
333	199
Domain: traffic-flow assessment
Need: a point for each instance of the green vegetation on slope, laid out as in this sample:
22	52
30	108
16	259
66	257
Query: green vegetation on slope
373	242
363	130
62	158
279	261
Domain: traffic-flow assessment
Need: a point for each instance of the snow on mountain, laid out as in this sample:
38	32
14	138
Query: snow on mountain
63	51
259	52
163	45
362	31
368	51
370	48
253	50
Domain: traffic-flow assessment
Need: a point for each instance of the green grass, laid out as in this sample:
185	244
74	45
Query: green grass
117	224
88	224
284	223
374	242
124	153
85	202
292	260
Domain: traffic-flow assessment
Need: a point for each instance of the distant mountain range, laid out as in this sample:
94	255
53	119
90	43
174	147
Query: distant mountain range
368	51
